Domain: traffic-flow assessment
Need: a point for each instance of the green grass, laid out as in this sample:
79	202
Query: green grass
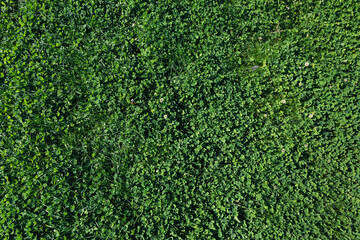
264	154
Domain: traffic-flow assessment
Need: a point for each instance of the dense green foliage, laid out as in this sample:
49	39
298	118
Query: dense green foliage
142	119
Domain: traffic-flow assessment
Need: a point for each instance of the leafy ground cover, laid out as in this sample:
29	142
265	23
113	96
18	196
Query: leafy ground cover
145	120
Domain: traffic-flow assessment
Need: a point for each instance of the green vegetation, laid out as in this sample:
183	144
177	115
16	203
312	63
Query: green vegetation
142	119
